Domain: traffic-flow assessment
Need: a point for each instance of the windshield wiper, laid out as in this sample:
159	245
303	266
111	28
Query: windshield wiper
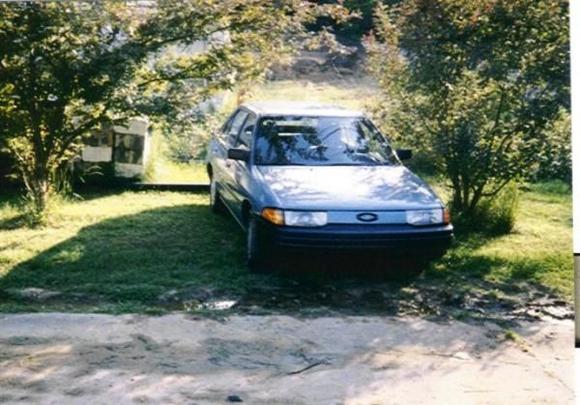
357	164
282	164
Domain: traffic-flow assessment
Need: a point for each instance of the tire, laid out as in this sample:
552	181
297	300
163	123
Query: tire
256	249
215	201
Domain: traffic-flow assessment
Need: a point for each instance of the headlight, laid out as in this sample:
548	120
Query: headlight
295	218
425	217
305	218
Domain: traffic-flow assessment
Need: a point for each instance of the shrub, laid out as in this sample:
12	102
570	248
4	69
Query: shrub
495	216
555	161
187	139
477	85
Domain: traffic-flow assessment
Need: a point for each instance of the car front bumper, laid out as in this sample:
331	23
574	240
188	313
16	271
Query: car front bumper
395	240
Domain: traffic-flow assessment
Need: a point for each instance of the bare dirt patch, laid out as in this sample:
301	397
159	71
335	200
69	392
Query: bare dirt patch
68	358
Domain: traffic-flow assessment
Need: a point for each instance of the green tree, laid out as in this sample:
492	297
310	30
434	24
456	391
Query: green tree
66	67
474	83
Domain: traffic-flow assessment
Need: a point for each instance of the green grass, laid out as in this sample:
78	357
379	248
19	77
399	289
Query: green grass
538	250
167	171
128	248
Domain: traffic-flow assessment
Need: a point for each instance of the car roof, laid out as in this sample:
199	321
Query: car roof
299	108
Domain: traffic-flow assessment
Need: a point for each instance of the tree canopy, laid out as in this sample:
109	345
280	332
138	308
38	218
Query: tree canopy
475	83
67	66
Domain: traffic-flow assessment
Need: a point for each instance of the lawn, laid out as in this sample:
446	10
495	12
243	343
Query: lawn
122	252
126	248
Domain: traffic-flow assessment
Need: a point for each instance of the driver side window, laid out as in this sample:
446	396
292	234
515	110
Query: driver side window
233	129
245	138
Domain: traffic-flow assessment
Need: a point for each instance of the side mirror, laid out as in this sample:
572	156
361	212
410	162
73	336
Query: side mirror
404	154
239	154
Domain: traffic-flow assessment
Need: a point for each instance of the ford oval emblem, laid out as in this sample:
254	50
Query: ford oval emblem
367	217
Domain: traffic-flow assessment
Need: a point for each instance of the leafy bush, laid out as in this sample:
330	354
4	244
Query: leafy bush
478	85
187	139
555	161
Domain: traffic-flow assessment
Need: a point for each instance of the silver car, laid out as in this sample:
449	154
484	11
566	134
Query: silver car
310	176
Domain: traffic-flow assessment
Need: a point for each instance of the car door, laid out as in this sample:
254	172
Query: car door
217	156
240	170
226	167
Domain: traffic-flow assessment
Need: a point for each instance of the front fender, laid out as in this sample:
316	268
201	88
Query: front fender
261	195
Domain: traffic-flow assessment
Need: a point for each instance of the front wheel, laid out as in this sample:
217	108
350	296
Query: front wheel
256	253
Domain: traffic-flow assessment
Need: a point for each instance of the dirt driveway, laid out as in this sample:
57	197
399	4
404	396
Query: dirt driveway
104	359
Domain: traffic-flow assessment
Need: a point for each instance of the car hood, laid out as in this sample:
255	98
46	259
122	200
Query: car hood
347	188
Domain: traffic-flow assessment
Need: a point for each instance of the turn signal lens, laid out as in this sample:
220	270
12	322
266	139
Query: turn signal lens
446	216
273	215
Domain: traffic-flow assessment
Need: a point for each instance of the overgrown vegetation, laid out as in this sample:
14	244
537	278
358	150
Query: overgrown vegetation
67	67
121	252
556	160
481	87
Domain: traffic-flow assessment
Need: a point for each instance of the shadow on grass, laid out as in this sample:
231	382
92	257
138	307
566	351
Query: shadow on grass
13	222
137	257
184	258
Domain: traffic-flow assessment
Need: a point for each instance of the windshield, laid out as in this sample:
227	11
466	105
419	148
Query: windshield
321	141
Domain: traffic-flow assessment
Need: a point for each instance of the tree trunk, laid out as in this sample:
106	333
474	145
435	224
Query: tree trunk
37	183
40	192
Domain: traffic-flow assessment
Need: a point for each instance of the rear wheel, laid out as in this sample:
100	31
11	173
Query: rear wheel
256	249
215	201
